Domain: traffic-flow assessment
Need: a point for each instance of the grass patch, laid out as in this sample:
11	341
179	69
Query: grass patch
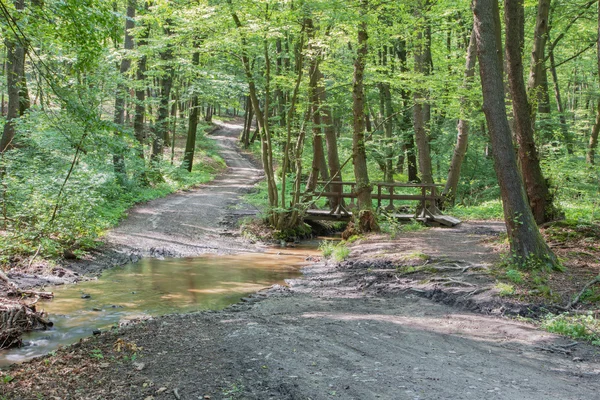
338	251
505	289
584	327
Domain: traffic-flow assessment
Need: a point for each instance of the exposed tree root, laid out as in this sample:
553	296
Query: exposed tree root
586	287
15	319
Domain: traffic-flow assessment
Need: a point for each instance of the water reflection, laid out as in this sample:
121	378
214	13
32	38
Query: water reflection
152	288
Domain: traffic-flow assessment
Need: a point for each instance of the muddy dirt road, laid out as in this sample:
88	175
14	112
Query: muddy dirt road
327	336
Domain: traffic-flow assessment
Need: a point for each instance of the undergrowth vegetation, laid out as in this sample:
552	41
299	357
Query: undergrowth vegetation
46	213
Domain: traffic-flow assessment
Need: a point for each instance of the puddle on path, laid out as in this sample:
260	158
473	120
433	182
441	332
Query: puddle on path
157	287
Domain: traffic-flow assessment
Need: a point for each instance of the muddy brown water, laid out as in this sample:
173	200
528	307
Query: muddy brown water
151	288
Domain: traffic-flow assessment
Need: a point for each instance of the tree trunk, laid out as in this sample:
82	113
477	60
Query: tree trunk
319	165
363	186
421	112
539	196
409	137
161	137
332	148
140	92
527	244
190	144
537	84
15	79
122	91
594	136
460	150
567	136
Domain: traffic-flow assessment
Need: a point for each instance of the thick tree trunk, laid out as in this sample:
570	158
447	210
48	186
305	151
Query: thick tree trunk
16	85
460	150
537	84
363	186
539	196
122	91
527	244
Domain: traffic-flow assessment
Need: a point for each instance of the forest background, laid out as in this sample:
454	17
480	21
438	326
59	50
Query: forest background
106	104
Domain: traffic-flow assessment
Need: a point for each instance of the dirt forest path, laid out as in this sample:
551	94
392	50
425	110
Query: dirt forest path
193	222
327	336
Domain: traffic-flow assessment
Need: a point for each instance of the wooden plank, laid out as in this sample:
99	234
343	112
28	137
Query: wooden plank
446	220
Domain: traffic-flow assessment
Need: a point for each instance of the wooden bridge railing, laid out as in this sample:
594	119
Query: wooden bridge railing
427	197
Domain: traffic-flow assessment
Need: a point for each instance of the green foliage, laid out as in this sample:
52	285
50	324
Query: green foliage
96	354
505	289
338	251
90	202
514	276
576	326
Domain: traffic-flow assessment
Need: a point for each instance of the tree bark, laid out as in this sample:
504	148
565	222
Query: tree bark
539	196
16	84
122	91
593	144
161	137
363	186
537	84
462	140
421	114
140	92
190	144
527	244
409	137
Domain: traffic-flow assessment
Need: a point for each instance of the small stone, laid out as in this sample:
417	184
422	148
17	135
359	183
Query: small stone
161	390
133	292
149	398
104	365
86	296
96	309
139	366
96	331
577	359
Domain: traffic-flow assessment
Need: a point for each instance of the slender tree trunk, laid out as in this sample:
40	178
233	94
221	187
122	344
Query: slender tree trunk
594	136
567	136
332	148
319	165
527	244
409	137
166	83
539	196
261	120
123	91
593	144
537	84
190	144
363	186
140	92
460	150
421	112
15	79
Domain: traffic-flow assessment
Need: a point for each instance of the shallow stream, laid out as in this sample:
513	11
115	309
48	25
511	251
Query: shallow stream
154	287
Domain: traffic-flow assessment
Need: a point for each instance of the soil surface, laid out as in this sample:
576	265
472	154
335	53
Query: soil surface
416	317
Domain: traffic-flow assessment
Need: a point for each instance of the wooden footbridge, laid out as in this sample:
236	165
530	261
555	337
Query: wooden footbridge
396	200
